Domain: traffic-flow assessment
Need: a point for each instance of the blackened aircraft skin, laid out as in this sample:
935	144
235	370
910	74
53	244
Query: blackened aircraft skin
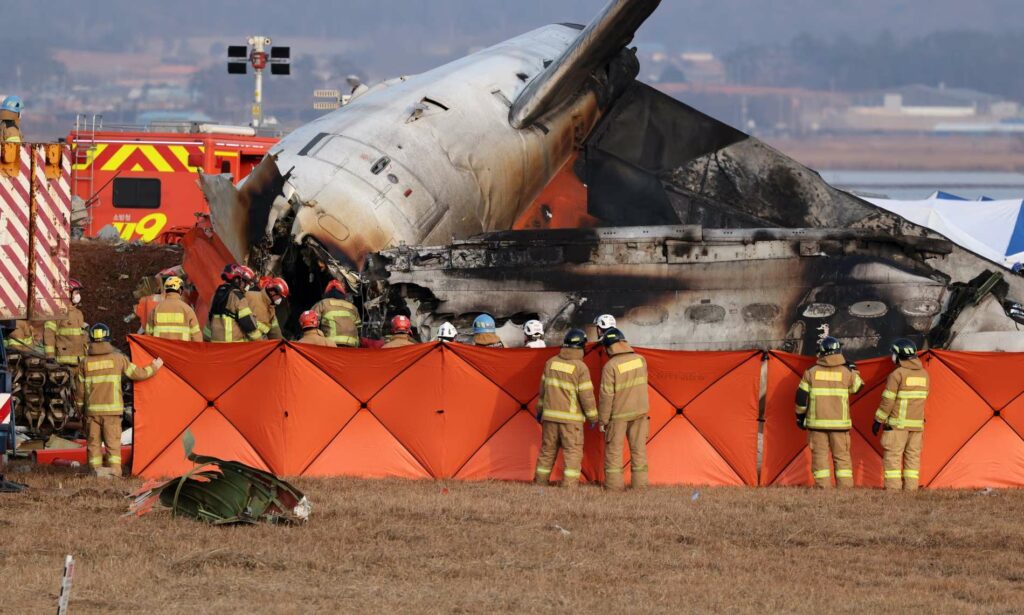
463	149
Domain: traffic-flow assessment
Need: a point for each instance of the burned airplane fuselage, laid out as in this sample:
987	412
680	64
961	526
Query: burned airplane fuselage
680	287
469	147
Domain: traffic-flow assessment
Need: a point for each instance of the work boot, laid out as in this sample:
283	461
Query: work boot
101	472
542	480
115	471
639	480
613	481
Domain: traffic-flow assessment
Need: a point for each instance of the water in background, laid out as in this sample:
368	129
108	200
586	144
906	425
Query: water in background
909	185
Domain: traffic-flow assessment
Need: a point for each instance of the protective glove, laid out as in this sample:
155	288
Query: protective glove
875	428
800	421
850	365
602	428
540	415
157	363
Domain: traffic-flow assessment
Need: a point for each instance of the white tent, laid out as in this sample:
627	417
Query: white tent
993	229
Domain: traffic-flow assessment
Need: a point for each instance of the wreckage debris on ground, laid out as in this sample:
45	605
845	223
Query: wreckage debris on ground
223	493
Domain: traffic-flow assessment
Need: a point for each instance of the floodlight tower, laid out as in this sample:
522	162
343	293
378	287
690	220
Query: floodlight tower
255	53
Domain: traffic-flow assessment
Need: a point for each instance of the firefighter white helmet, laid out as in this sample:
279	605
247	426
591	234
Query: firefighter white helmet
533	329
446	332
605	322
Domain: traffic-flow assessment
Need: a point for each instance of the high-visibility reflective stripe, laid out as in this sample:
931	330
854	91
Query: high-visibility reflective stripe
828	423
70	331
68	359
177	329
912	395
828	376
541	470
242	313
565	368
344	340
887	394
170	317
115	460
101	379
632	382
558	383
628	417
881	415
95	462
102	408
571	473
550	415
13	139
629	366
844	473
804	386
892	473
194	329
586	386
262	328
49	350
51	325
857	383
829	392
608	470
822	473
911	474
98	365
640	468
916	381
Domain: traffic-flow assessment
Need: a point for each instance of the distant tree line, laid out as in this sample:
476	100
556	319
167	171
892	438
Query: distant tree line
990	62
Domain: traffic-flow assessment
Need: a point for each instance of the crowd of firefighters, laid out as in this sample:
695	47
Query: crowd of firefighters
243	309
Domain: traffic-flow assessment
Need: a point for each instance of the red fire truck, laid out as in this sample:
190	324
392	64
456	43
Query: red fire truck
143	180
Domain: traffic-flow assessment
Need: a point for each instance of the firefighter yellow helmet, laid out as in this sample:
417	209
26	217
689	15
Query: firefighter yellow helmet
173	284
99	333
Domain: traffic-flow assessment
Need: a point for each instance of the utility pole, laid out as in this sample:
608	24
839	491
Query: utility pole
255	54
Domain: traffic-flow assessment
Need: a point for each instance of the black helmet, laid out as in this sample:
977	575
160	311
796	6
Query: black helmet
903	349
829	346
575	338
612	336
99	332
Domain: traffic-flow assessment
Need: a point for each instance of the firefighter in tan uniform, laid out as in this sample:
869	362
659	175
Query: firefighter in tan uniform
172	318
485	332
10	120
401	333
566	400
65	340
231	318
901	416
309	322
101	378
339	318
823	409
623	411
22	337
263	302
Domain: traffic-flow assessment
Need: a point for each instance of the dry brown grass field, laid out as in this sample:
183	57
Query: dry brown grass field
433	547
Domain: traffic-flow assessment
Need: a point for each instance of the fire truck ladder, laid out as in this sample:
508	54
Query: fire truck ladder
85	178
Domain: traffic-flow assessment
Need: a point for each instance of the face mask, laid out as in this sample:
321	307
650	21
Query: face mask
76	298
278	300
895	358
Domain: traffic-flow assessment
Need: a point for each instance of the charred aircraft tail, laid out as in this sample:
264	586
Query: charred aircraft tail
598	43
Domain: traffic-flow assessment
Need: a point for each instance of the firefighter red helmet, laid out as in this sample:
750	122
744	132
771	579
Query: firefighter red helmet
231	273
74	285
309	320
336	285
247	274
401	324
265	280
275	286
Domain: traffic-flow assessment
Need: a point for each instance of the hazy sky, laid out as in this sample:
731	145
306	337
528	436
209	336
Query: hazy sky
405	35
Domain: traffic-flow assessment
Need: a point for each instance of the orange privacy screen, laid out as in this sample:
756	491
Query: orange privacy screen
457	411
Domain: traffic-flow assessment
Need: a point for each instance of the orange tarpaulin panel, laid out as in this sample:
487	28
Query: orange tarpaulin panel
214	435
361	373
204	260
785	458
169	405
517	371
510	454
679	454
366	449
953	414
208	368
993	457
